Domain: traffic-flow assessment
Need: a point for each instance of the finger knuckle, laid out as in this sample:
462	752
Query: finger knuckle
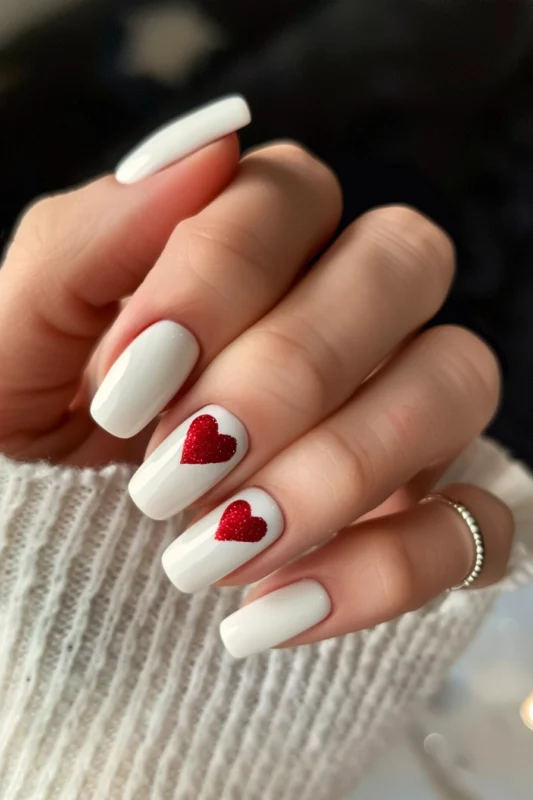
354	467
36	229
404	426
396	577
296	157
223	256
470	364
416	250
295	377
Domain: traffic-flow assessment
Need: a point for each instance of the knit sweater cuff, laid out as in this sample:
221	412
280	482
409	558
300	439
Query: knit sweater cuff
114	685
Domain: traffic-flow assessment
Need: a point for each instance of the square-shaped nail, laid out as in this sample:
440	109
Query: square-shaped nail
275	618
144	378
195	457
223	540
184	136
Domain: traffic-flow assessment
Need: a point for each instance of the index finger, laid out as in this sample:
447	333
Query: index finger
72	258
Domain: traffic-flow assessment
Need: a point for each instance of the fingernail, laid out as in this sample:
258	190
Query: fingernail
229	536
184	136
275	618
144	378
196	456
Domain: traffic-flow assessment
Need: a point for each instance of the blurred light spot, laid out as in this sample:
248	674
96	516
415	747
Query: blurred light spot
526	712
168	42
435	745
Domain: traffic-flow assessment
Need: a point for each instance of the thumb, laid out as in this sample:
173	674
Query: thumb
73	257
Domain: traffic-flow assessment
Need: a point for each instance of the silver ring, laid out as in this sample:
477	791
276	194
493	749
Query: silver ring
475	531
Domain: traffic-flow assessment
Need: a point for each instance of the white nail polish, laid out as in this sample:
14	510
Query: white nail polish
144	378
229	536
184	136
189	462
275	618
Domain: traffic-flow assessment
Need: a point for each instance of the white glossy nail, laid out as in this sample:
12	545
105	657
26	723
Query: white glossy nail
229	536
196	456
184	136
144	378
275	618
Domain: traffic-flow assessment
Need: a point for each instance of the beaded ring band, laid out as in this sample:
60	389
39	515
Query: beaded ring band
475	532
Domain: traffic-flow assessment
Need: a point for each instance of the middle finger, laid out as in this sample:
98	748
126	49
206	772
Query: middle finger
384	277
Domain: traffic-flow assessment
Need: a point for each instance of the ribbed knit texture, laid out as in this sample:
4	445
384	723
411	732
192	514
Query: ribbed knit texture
114	686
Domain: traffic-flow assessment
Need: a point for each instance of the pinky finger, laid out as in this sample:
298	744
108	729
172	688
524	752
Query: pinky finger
373	572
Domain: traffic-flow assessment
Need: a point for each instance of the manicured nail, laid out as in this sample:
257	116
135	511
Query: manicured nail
144	378
189	462
184	136
275	618
229	536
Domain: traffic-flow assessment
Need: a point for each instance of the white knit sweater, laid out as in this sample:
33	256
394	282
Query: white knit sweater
114	686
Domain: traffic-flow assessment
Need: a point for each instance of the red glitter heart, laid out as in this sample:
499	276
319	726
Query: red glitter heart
205	445
238	525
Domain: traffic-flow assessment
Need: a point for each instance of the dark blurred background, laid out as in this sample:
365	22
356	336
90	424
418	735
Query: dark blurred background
427	102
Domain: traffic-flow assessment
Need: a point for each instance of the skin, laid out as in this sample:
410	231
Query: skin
363	410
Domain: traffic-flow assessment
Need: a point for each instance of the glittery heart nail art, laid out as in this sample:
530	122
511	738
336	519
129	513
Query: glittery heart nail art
205	445
223	540
238	525
189	462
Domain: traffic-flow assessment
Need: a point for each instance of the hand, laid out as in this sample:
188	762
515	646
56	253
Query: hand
299	403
